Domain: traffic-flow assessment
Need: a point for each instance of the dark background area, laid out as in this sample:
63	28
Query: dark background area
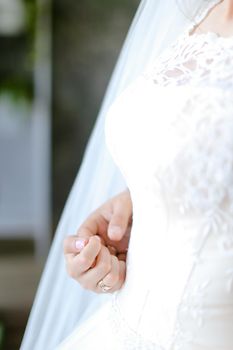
87	39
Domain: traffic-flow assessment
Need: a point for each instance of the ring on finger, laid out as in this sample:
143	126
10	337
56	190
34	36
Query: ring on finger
104	288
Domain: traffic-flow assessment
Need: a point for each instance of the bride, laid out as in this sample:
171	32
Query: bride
170	133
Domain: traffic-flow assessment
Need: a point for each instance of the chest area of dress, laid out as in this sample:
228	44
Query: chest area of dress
149	125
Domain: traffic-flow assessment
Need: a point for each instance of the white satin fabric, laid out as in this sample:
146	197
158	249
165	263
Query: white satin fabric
171	134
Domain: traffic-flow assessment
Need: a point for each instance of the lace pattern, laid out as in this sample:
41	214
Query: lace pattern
197	60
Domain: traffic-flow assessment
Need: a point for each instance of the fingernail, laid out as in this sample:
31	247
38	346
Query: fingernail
80	244
115	230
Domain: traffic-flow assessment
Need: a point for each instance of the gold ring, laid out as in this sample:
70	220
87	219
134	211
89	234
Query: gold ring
103	286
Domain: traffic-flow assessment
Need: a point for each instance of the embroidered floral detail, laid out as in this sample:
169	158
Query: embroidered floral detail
195	60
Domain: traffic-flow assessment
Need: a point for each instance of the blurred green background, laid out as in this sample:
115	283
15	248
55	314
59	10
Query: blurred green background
56	61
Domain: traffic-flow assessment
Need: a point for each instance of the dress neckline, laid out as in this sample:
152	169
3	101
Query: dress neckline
199	18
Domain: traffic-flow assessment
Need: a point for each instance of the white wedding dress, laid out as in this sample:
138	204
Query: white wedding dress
171	134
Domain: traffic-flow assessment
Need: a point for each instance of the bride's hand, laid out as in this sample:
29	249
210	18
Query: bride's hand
94	267
91	260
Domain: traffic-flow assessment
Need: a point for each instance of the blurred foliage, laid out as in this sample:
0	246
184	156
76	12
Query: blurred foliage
18	89
31	10
17	58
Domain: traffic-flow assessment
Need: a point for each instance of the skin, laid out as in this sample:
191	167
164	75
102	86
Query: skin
98	251
219	20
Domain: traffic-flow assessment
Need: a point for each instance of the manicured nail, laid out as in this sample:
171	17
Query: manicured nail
80	244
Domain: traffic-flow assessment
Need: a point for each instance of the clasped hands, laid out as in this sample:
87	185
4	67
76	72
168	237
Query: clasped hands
96	255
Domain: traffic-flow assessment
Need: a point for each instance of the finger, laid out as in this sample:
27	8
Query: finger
112	278
80	263
90	279
74	245
92	225
122	275
121	216
95	224
89	227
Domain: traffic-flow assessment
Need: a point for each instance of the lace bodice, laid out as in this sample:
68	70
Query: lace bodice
171	133
197	60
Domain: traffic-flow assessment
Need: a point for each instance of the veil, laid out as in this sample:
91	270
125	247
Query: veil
60	303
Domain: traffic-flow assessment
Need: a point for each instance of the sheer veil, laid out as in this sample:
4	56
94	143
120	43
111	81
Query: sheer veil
60	303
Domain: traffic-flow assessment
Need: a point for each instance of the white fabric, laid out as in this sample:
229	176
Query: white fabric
171	134
60	303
